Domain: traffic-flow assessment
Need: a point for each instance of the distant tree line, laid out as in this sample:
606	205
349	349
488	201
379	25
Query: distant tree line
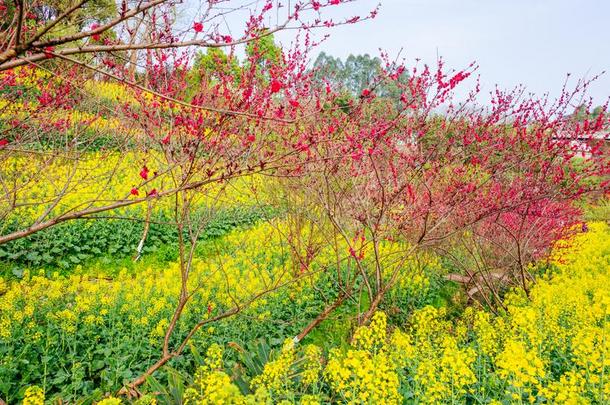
358	73
583	112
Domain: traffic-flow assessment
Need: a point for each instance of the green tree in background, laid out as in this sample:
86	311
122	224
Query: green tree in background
581	113
91	12
355	74
214	63
264	51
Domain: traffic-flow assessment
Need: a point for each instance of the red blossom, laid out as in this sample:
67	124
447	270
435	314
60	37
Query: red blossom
48	51
276	85
3	143
45	98
144	173
198	27
95	37
267	7
134	191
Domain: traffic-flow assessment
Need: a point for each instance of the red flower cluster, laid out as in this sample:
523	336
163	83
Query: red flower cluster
144	173
276	85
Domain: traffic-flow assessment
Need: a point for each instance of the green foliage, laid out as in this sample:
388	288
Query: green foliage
264	51
598	211
356	74
214	64
211	66
95	10
109	240
582	113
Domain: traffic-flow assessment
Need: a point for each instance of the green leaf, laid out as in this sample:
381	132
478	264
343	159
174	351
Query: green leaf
17	272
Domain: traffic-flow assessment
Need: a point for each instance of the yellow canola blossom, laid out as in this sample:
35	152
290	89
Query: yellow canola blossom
550	348
33	396
275	377
54	186
145	299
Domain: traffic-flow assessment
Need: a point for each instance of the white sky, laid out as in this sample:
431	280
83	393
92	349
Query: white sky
530	42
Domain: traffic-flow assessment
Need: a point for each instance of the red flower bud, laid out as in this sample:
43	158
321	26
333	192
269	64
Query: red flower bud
95	37
48	51
144	173
276	86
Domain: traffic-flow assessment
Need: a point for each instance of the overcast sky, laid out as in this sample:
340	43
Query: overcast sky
530	42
